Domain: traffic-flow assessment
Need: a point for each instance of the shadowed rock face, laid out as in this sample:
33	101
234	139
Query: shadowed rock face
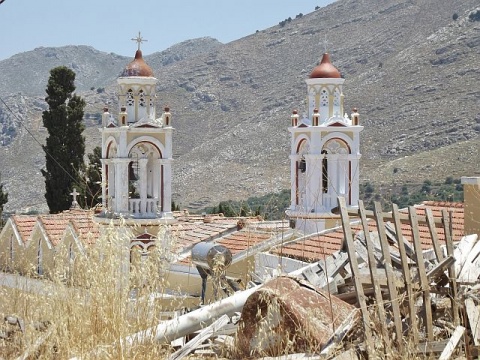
409	68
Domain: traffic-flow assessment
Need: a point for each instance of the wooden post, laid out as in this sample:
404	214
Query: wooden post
447	225
347	231
372	265
433	234
425	286
406	274
392	289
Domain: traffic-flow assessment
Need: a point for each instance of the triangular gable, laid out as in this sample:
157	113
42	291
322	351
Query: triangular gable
144	238
23	225
11	228
39	233
338	124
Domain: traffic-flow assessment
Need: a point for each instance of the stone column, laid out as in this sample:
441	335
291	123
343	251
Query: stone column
121	185
354	179
167	186
142	164
157	182
293	181
104	183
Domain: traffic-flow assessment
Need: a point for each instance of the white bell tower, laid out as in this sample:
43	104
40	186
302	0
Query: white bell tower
325	153
137	148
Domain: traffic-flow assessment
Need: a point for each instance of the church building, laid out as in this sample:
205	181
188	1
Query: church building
137	149
325	152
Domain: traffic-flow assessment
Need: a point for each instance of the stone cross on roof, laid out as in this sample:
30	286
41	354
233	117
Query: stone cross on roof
139	40
74	205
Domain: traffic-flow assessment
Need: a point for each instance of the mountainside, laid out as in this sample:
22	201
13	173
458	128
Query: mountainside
410	68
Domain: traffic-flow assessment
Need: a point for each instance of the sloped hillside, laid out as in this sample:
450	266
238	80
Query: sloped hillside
410	68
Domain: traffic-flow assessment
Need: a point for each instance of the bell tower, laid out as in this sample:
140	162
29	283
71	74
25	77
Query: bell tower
325	152
137	148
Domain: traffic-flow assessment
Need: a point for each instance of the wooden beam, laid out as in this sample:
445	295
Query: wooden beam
392	289
402	247
433	234
473	314
440	267
347	231
372	265
427	308
452	343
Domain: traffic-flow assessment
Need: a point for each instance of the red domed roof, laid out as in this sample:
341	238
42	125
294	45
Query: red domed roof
325	69
138	67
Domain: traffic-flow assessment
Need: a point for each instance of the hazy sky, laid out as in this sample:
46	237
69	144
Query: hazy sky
108	25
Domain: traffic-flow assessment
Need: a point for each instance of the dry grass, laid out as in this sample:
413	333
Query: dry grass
91	305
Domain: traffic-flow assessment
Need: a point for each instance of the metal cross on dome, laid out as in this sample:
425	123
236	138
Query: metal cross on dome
139	40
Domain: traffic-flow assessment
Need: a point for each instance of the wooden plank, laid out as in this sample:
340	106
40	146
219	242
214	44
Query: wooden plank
463	248
203	335
372	265
347	231
431	347
452	343
339	334
398	230
361	251
440	267
433	234
392	289
388	216
471	271
402	247
473	314
425	286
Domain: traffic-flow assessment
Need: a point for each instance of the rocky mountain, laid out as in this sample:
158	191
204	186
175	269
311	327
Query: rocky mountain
411	67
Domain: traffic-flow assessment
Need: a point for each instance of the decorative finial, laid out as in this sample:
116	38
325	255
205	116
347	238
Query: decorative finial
139	40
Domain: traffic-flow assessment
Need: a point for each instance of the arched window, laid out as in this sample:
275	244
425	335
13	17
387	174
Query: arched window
39	258
324	98
336	98
141	99
130	98
12	249
325	171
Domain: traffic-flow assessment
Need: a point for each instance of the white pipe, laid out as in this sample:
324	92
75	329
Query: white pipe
186	324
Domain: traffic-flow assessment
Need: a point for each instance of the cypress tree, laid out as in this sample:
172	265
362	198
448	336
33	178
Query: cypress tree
94	178
65	144
3	201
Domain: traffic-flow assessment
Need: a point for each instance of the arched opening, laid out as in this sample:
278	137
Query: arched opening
301	174
324	171
145	178
40	258
336	173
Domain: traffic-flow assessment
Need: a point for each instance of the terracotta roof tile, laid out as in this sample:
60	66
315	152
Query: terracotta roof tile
314	247
24	225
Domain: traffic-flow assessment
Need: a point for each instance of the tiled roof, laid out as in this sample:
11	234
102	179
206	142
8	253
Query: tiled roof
55	224
314	247
238	240
86	229
24	225
187	234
